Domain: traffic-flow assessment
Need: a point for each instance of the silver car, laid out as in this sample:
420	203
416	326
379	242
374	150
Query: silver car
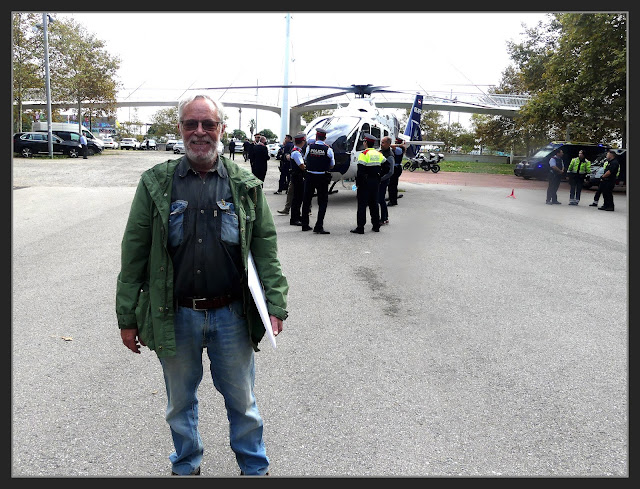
178	147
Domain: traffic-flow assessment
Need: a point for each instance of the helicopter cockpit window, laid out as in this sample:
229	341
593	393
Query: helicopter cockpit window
375	132
337	129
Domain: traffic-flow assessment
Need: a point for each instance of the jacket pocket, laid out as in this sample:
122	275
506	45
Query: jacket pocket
143	317
176	222
229	232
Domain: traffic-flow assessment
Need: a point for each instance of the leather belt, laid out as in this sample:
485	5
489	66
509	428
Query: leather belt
204	303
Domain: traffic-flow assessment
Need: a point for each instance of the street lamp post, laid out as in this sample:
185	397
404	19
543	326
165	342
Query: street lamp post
45	19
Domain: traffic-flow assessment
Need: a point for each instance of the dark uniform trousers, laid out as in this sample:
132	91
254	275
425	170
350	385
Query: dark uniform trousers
367	195
297	180
552	188
607	186
393	184
318	182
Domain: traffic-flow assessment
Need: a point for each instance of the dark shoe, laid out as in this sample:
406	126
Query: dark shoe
556	202
548	202
376	230
321	231
306	228
277	192
595	204
609	209
283	212
603	208
358	231
242	473
195	472
295	223
391	204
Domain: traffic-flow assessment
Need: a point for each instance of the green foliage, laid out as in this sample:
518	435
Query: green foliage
271	137
164	121
575	70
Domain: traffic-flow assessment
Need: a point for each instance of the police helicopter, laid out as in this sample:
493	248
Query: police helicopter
346	126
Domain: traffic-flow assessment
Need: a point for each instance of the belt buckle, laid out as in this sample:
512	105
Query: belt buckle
194	304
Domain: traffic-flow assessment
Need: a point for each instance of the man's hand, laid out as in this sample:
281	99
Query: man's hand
130	339
276	325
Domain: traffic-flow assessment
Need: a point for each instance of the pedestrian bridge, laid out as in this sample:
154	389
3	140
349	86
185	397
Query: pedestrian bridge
477	103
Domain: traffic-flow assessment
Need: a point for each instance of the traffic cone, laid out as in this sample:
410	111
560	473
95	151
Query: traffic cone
512	195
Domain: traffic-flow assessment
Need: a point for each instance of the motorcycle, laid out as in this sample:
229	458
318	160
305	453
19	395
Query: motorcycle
419	161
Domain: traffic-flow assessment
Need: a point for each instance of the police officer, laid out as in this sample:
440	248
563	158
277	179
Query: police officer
596	196
298	169
555	175
579	168
319	160
608	181
367	182
386	171
398	154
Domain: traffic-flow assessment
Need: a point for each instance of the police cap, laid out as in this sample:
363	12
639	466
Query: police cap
300	136
370	138
321	130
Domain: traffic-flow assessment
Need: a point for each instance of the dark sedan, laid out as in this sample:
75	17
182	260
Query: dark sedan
28	144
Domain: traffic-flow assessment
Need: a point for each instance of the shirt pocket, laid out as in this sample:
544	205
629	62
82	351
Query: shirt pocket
176	222
229	231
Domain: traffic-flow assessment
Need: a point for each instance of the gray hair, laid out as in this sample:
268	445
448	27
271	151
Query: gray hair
187	99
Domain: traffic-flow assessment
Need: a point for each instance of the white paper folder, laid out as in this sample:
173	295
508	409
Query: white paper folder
259	298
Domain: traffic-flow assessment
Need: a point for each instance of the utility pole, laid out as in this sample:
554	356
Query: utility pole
45	19
284	112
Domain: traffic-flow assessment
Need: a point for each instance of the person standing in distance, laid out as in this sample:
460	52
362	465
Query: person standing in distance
296	186
85	147
232	149
608	180
319	160
367	182
260	157
182	286
579	168
398	153
555	175
386	171
285	165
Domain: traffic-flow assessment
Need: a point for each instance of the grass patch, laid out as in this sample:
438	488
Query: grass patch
473	167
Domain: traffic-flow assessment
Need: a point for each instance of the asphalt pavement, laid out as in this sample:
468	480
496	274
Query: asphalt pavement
481	333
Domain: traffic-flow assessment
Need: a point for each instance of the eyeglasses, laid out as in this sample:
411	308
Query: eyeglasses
207	125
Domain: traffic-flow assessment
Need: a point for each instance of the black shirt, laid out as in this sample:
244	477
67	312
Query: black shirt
204	234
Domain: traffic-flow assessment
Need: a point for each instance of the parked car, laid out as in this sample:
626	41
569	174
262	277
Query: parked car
110	143
597	170
28	144
178	147
129	143
273	149
537	166
149	144
93	147
170	143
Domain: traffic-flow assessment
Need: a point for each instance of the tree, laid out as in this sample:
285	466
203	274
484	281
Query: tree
27	52
575	70
164	121
81	69
268	133
252	127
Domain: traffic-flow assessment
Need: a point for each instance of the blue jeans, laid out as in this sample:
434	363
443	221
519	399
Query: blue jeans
223	332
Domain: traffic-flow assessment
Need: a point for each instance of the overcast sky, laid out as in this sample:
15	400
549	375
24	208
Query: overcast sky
163	54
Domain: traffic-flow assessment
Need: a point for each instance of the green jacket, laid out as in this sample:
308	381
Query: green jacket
585	166
144	293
